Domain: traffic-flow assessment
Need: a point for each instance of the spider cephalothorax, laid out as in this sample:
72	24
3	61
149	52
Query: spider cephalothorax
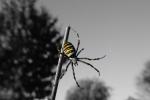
71	53
74	61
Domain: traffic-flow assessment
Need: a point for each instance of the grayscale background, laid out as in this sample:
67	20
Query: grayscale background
118	28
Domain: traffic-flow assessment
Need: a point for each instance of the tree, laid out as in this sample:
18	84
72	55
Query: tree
28	39
92	90
143	83
131	98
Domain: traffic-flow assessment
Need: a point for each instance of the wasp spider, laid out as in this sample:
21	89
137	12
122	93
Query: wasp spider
71	53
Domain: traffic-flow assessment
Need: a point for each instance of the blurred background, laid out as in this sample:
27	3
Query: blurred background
30	31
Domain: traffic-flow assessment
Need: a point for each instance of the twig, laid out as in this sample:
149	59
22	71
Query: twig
59	66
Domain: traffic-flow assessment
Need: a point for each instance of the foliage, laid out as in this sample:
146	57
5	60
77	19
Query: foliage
143	83
92	90
131	98
28	53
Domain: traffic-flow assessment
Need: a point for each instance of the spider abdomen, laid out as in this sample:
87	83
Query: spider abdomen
69	49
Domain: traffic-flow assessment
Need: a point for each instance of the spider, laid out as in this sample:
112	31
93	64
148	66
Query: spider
72	54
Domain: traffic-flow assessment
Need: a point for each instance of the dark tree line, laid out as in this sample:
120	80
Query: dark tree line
28	52
143	83
92	90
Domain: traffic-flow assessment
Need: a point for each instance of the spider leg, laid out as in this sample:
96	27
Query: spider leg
92	58
63	73
78	39
78	43
75	76
90	66
79	51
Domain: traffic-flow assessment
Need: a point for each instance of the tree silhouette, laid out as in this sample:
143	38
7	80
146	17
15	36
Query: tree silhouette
143	83
132	98
28	52
92	90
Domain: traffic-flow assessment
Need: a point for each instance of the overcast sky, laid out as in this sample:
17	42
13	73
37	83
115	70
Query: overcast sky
118	28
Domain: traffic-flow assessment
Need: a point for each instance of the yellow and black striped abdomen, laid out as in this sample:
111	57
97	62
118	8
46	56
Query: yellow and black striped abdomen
69	49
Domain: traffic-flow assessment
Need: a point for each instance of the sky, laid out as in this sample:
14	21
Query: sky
117	28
